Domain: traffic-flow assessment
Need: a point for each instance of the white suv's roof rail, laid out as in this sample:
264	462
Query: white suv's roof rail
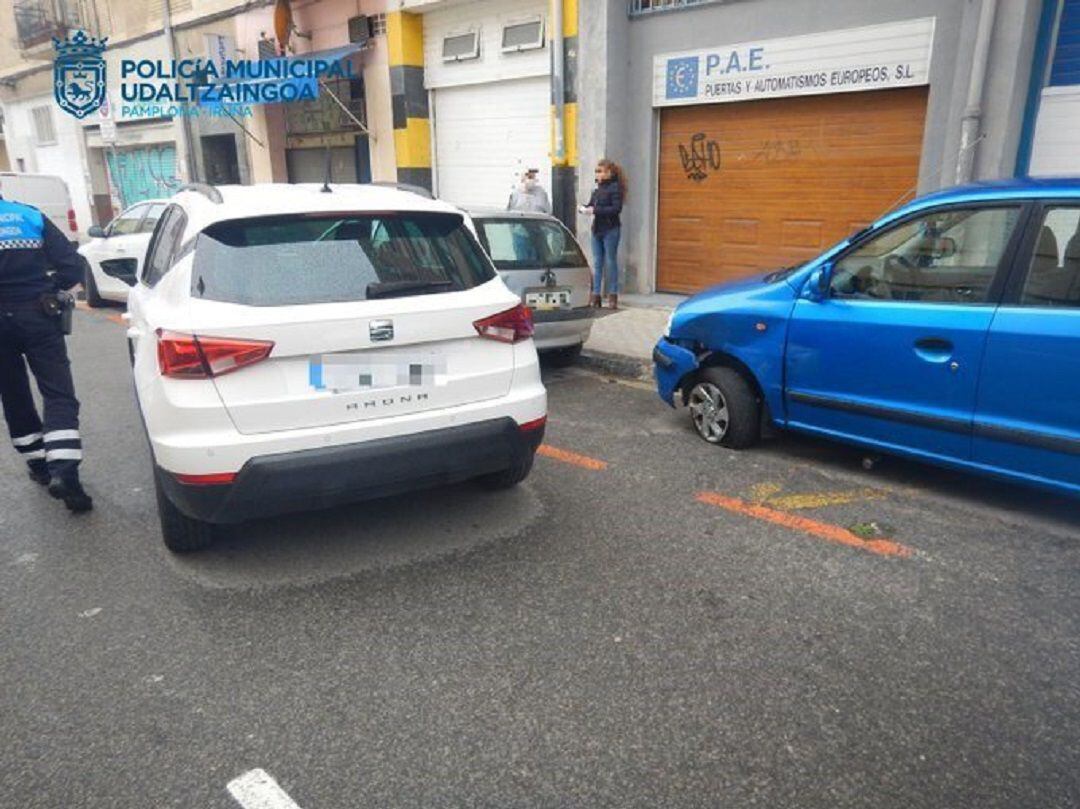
207	190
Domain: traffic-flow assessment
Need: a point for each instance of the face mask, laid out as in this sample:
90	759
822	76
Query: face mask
530	183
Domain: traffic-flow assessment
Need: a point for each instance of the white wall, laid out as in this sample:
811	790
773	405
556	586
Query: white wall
62	159
488	17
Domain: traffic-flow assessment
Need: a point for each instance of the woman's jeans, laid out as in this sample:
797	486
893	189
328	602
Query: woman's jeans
605	247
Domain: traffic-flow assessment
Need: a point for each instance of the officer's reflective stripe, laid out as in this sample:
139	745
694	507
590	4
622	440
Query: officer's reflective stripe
61	435
21	244
29	445
33	455
63	455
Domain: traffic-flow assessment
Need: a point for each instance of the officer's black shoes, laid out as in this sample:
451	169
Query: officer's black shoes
72	493
39	472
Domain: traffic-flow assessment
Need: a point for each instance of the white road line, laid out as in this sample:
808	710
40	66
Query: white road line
257	789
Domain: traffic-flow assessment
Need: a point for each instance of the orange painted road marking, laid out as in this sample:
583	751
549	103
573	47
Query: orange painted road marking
584	461
112	317
821	530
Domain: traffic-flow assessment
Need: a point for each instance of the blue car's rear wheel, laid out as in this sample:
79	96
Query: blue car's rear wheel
724	408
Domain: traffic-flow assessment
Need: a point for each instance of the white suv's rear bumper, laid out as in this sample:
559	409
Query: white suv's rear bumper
208	443
318	478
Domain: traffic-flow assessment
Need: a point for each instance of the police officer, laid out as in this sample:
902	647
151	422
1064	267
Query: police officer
29	328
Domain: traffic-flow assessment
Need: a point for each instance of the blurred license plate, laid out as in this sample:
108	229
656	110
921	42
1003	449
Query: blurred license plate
554	298
376	371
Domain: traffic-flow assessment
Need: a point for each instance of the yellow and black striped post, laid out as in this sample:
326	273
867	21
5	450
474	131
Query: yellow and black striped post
564	158
409	99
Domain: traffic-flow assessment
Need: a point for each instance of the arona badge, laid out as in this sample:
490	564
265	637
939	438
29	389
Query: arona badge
79	74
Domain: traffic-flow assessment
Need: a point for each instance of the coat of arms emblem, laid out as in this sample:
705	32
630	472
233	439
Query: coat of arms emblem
79	74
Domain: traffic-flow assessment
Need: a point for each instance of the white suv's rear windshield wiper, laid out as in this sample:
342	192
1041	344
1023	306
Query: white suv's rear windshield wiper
400	289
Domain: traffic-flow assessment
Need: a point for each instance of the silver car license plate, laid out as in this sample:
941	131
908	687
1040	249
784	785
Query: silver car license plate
547	299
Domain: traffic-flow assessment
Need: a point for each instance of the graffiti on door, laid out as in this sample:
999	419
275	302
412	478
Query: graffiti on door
775	151
143	173
699	157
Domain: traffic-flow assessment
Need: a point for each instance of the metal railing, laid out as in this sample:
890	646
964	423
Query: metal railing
38	21
640	8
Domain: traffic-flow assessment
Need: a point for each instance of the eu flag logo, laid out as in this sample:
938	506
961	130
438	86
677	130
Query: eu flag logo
682	76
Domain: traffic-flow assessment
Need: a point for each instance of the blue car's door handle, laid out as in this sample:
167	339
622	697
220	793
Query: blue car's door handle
934	349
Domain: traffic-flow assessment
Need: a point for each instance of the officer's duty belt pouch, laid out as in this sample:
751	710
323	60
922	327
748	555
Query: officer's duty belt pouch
59	305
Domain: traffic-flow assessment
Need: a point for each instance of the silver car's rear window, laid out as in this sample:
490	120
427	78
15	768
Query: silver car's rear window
519	243
328	258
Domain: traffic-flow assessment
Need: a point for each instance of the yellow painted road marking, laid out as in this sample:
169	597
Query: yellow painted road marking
794	502
771	494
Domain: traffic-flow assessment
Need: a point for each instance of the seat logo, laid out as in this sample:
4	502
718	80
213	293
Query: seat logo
79	74
381	330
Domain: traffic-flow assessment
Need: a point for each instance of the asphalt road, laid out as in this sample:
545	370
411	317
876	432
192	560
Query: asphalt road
647	621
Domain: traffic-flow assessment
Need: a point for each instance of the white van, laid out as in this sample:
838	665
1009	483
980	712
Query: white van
45	192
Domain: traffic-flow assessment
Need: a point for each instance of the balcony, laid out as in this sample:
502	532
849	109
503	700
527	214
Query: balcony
640	8
38	21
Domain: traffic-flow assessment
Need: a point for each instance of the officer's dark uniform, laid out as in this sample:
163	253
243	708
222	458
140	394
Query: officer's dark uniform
30	245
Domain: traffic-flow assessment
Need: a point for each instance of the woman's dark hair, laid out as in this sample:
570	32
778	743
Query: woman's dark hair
617	174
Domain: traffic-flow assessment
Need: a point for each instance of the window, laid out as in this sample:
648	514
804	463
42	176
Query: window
519	244
127	223
164	244
44	131
640	7
295	260
378	24
946	256
1053	277
523	36
153	214
458	47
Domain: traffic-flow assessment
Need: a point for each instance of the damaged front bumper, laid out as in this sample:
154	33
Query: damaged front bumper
671	363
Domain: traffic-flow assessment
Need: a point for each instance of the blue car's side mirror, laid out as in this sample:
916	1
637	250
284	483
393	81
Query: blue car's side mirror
817	285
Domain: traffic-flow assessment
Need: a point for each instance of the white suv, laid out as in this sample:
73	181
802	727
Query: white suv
295	348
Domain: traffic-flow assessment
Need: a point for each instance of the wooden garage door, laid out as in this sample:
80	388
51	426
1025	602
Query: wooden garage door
758	185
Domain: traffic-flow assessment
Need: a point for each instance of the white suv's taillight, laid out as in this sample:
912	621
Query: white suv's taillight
186	356
511	326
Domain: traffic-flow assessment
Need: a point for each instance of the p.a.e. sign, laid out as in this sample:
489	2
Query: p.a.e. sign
874	57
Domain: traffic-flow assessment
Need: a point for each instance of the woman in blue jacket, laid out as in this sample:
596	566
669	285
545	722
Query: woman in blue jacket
604	206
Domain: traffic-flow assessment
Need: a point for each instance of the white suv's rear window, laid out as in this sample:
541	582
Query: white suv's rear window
328	258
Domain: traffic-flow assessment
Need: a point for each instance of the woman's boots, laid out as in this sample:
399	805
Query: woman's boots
613	301
597	302
594	302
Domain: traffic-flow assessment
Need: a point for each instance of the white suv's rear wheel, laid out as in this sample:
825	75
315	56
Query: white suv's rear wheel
181	533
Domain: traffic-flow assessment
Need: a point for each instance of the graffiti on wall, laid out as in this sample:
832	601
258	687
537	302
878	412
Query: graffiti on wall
699	157
143	173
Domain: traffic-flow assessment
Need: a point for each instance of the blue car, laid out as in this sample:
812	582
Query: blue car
948	331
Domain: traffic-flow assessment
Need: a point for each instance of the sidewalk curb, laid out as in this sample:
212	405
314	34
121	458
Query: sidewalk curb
617	365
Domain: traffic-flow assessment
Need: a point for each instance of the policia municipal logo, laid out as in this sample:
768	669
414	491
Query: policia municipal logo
79	74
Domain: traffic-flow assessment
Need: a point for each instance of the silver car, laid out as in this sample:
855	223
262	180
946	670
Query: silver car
540	260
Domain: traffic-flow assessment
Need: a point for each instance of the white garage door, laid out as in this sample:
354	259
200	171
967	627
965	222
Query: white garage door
486	134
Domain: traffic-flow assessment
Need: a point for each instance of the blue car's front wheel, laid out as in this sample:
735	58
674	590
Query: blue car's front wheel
724	408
